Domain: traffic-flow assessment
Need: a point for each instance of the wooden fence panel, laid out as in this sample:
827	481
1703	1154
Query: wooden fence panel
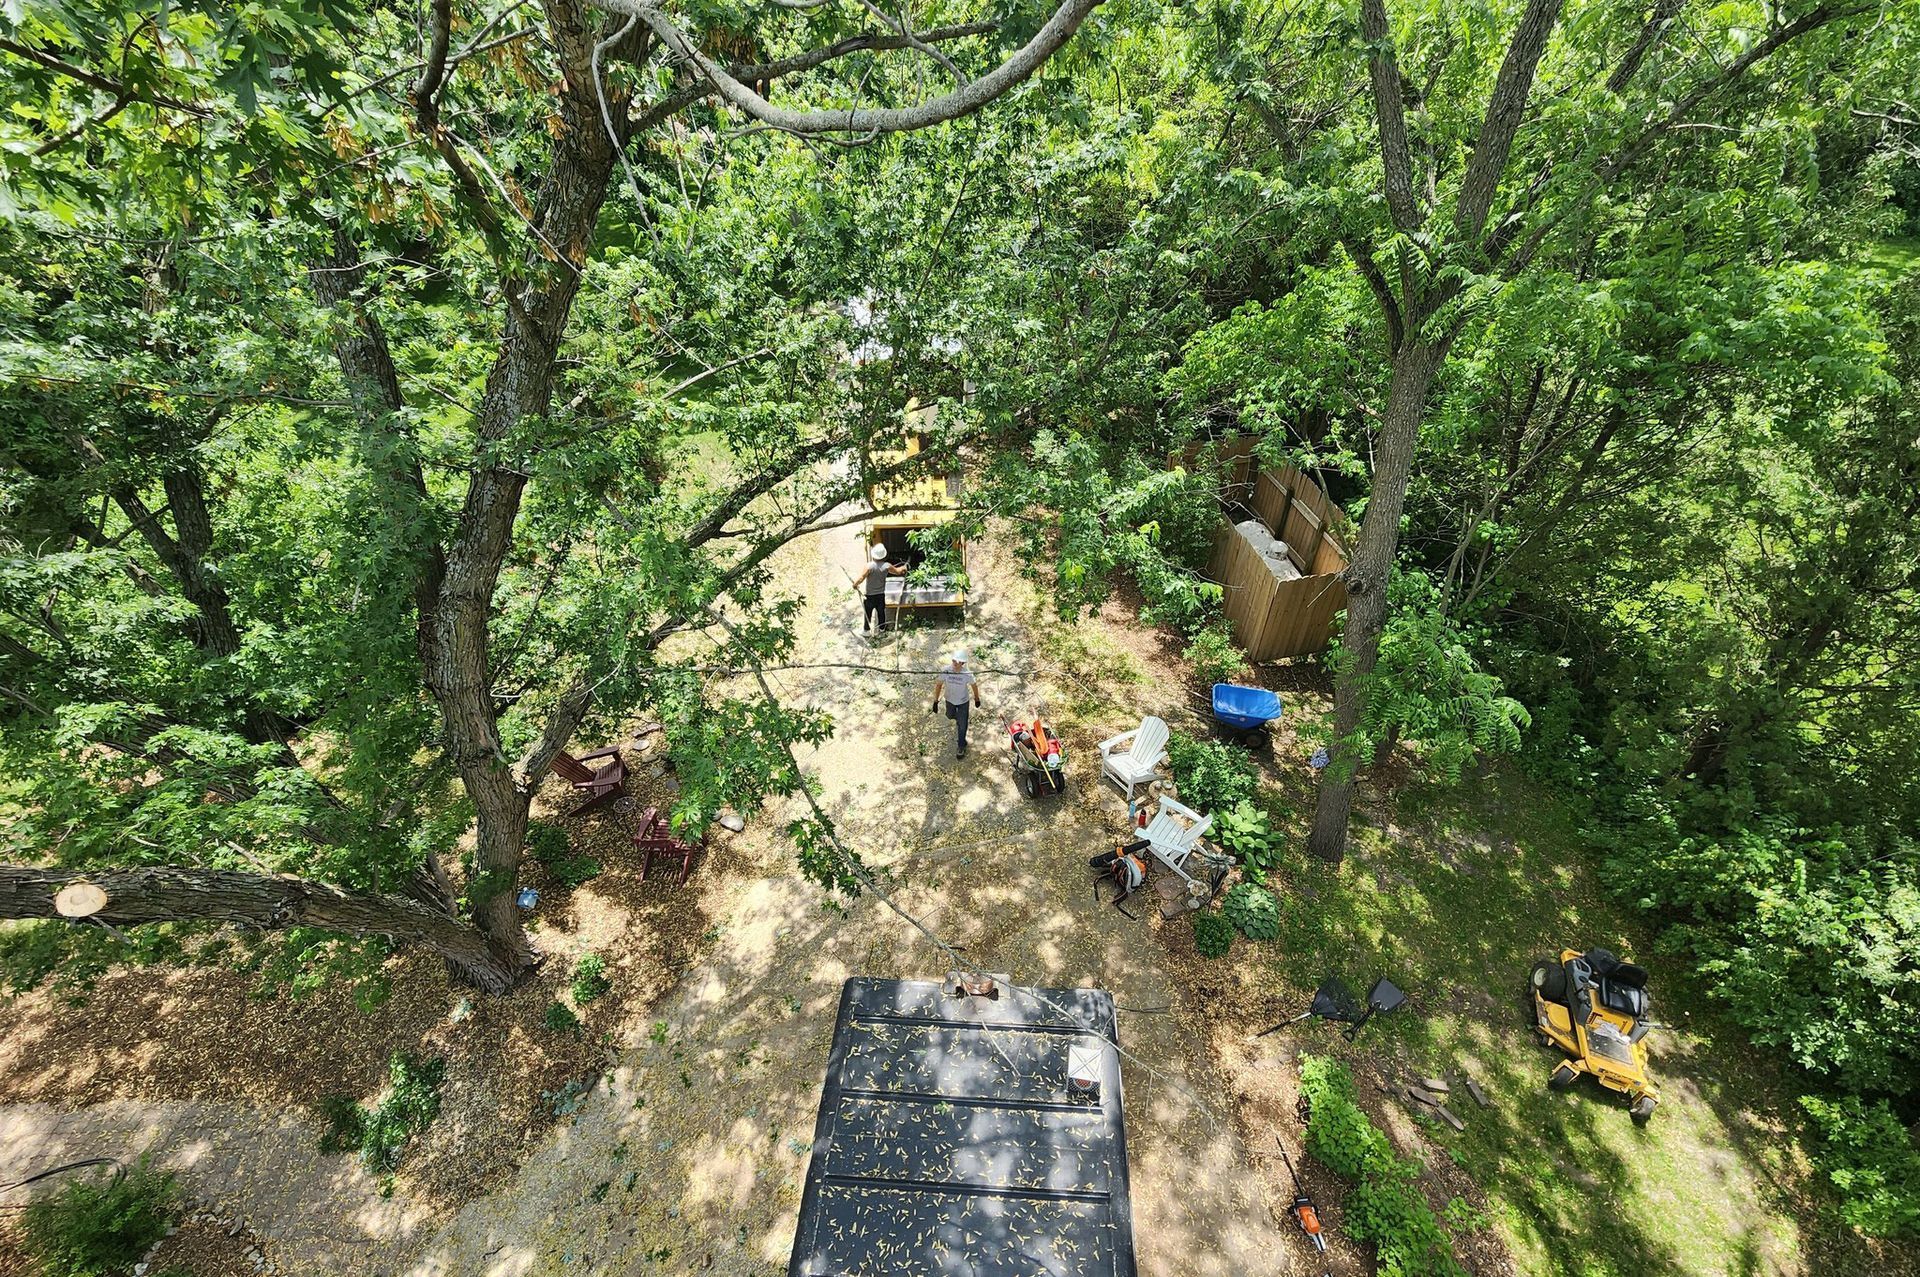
1271	618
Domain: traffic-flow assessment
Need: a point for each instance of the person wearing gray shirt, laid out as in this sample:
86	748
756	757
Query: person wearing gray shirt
875	583
961	691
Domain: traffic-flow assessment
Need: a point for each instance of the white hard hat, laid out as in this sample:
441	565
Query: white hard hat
878	553
961	656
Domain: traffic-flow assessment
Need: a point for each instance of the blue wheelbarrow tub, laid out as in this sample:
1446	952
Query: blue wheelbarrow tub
1245	707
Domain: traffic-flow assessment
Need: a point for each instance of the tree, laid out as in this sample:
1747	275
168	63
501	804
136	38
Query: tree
449	502
1433	272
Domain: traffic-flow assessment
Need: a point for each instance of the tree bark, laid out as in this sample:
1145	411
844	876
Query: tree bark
268	902
1414	366
454	633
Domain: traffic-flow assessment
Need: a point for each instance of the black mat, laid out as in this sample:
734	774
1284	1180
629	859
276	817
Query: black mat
948	1144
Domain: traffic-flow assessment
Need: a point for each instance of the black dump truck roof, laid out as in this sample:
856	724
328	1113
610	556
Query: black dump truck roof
951	1143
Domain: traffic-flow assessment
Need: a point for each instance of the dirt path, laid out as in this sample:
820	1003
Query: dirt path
691	1156
313	1214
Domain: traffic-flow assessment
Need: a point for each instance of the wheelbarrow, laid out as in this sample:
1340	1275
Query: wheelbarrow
1039	760
1244	713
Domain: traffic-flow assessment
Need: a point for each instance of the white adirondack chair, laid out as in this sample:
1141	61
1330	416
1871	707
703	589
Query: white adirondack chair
1175	831
1133	758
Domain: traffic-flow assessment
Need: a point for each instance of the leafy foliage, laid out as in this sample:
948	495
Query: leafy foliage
1871	1161
1212	776
1428	688
1252	910
100	1228
1246	831
1806	937
560	1018
381	1134
1212	934
547	842
1215	657
1386	1207
589	979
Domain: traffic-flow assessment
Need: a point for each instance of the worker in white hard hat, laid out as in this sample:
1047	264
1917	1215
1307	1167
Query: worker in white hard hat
874	579
957	686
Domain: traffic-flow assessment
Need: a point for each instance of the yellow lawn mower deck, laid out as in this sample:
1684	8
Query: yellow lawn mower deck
1596	1010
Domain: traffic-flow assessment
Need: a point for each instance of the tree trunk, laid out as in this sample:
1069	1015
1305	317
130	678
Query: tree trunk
268	902
454	633
1414	365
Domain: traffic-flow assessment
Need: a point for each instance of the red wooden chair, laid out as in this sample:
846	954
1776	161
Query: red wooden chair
600	785
655	838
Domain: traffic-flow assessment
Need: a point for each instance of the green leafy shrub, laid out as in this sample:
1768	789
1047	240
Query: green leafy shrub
1212	776
547	843
561	1019
1216	658
590	979
1386	1207
381	1133
1212	935
1247	833
1809	948
1253	911
100	1228
1428	685
1872	1162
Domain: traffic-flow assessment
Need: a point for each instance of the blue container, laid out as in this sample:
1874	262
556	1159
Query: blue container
527	898
1245	708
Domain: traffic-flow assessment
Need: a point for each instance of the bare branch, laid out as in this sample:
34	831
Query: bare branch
906	33
1057	30
1664	11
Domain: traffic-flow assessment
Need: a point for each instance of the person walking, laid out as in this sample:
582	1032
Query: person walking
961	691
878	570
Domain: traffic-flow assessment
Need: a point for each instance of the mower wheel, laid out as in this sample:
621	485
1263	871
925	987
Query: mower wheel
1550	981
1563	1077
1642	1109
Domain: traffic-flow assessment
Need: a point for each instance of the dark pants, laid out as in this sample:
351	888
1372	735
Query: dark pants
960	713
876	606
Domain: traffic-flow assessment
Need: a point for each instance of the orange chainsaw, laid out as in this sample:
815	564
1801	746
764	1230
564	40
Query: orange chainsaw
1304	1212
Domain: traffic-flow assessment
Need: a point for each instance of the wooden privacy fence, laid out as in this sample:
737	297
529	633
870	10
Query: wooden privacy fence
1273	618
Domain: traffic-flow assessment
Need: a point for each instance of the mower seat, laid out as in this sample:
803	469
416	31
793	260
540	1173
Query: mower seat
1624	989
1623	998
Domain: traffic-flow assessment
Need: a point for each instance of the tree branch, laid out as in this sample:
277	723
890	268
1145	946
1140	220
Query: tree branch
1383	67
1502	121
98	81
965	100
1663	14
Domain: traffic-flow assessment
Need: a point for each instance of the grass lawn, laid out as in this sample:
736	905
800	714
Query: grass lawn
1453	893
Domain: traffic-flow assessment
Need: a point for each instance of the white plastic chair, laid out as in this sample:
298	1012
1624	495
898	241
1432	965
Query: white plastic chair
1174	833
1133	758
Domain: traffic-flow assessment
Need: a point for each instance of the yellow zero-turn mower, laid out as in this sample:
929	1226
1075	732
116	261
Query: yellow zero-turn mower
1595	1008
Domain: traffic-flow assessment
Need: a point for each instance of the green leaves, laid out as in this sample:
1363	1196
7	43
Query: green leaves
1427	686
1253	911
1870	1159
1213	776
1212	934
1386	1207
